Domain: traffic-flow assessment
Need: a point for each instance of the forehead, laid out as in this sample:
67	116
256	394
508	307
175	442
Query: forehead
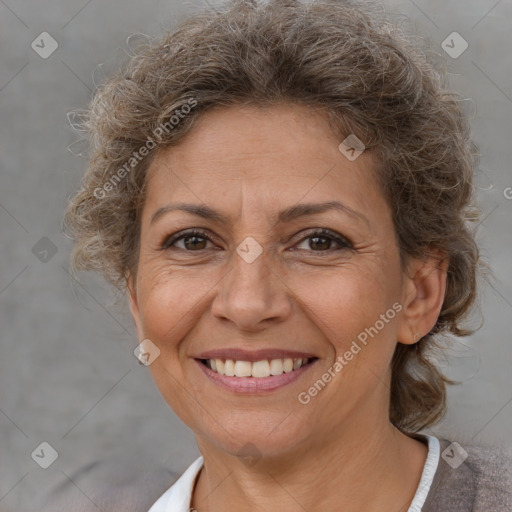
283	153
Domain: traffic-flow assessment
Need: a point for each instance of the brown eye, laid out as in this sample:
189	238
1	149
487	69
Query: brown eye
188	241
321	243
194	242
323	240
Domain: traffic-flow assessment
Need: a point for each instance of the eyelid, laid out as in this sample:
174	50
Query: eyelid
342	241
169	240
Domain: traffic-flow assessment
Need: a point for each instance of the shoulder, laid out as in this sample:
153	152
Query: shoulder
471	478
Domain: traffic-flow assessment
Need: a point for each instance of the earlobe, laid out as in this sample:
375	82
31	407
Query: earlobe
423	297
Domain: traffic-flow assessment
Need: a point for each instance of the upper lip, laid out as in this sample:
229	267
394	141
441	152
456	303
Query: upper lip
240	354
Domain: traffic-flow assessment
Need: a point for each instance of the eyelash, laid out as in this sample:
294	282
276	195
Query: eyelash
184	234
343	243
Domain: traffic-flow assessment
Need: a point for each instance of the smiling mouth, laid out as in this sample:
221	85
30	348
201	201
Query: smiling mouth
257	369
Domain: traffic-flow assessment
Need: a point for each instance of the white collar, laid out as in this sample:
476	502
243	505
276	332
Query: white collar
178	497
427	476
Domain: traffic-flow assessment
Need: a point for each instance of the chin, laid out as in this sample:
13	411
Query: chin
255	435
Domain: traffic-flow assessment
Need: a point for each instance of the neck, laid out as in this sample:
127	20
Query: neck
335	475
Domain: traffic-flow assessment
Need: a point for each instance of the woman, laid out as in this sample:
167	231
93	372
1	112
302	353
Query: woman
284	189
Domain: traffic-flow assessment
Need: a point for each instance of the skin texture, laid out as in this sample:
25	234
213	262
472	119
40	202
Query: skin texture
338	452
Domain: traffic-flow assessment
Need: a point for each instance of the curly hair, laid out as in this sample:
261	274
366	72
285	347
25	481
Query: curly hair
371	77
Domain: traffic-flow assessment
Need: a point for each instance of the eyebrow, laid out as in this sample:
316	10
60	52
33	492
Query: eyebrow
287	215
201	211
301	210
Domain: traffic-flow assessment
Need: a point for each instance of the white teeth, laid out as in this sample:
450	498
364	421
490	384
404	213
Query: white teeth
229	368
276	367
243	369
258	369
219	363
261	369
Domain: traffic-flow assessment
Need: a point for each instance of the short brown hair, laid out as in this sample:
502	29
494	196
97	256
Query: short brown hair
371	78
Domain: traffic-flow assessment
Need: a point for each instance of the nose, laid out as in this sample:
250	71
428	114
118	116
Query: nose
251	295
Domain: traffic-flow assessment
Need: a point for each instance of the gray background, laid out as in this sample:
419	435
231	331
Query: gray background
67	371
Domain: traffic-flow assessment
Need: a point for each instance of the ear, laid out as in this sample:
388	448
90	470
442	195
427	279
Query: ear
134	305
423	296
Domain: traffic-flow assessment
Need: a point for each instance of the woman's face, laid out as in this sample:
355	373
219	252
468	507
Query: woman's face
258	283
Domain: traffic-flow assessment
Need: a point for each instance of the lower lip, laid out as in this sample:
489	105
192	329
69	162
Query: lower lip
254	384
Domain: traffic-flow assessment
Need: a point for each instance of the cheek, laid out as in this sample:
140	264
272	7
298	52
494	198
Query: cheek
349	302
170	305
169	301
